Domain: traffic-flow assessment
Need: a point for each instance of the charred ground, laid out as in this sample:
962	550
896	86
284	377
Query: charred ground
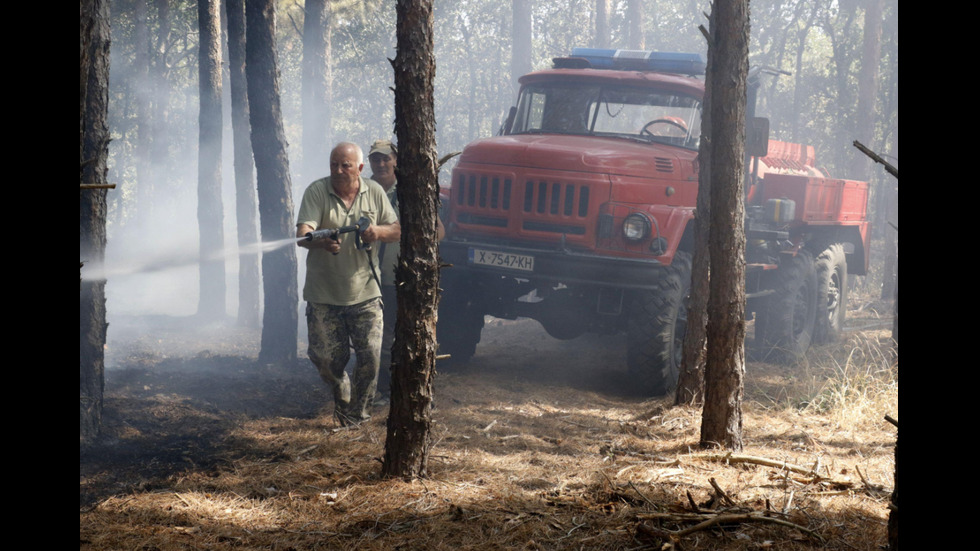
538	444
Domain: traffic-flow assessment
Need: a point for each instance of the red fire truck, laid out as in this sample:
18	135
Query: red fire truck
580	215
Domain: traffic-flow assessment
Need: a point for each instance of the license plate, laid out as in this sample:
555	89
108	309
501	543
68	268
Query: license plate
498	259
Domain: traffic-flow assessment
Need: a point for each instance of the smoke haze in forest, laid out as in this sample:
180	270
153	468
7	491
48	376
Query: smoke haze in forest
153	238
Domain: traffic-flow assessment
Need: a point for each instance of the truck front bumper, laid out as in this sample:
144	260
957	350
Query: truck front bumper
551	265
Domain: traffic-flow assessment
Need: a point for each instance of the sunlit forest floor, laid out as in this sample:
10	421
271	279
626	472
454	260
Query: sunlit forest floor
537	444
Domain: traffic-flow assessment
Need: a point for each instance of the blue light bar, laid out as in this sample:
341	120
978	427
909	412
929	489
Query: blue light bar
640	60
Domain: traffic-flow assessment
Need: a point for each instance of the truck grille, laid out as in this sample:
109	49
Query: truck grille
542	206
556	198
484	192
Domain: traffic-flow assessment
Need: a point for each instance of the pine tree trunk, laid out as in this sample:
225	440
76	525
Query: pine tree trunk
317	90
417	273
721	423
601	24
634	15
690	379
893	513
142	114
94	153
280	318
210	211
161	134
520	63
246	203
864	130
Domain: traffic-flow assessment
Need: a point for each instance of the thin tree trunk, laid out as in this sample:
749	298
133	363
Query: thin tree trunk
143	114
417	273
721	422
690	379
160	131
601	24
93	153
520	63
279	321
246	202
210	211
316	90
867	88
634	15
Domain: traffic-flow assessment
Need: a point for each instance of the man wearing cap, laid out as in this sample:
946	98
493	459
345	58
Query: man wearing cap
342	291
383	157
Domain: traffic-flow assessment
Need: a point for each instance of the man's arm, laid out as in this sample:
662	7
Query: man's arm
386	233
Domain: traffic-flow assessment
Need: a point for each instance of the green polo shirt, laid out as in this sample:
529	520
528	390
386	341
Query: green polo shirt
343	279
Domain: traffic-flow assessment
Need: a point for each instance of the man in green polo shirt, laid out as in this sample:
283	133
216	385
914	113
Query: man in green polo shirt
342	293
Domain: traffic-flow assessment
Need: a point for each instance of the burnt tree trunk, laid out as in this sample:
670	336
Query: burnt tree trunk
690	378
417	273
520	60
246	203
210	211
93	153
721	422
280	318
317	85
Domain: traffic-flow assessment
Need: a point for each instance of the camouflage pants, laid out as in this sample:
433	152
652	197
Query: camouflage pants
333	331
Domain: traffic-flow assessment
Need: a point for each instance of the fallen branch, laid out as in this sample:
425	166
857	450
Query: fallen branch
707	521
876	158
732	458
721	493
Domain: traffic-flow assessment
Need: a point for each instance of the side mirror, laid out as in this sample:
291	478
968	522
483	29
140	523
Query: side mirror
757	137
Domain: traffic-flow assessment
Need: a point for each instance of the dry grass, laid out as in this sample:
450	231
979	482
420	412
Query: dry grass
538	445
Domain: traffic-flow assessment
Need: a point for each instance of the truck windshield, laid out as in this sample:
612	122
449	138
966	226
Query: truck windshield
607	110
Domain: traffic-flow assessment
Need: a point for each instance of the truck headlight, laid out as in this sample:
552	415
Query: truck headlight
636	227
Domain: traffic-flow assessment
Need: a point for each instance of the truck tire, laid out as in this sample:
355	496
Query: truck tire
657	321
458	327
831	267
790	314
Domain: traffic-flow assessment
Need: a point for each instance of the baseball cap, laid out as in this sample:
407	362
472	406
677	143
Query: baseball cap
383	146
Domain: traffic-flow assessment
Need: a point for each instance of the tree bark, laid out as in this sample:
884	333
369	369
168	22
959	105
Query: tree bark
279	321
690	379
93	153
520	63
210	211
721	423
893	513
246	202
417	273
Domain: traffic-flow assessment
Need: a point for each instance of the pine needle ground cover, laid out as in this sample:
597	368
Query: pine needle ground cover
537	444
